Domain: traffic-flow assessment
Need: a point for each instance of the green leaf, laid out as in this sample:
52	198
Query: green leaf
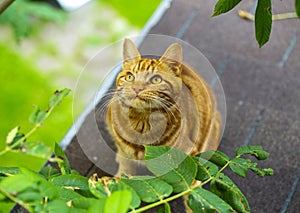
239	166
149	189
297	7
41	116
67	194
206	169
203	201
263	21
16	183
19	15
96	187
263	171
64	165
83	202
12	134
55	206
215	156
30	196
164	209
118	202
34	114
48	190
224	6
97	206
256	151
9	171
171	165
74	182
120	186
48	172
58	97
229	192
37	149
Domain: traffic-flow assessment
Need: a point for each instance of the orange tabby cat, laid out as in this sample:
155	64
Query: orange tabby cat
160	102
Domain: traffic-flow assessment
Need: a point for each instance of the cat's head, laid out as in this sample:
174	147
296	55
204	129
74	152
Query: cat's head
149	83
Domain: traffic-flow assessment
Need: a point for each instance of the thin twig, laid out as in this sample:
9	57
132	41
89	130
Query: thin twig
4	4
246	15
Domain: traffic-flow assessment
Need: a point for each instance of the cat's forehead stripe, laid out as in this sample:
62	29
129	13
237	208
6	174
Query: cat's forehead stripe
145	64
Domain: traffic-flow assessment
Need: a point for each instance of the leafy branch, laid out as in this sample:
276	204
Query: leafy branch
56	187
15	140
178	173
263	16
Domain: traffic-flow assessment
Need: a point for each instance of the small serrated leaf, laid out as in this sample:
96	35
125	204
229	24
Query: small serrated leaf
224	187
204	201
256	151
223	6
263	21
239	166
217	157
57	97
12	134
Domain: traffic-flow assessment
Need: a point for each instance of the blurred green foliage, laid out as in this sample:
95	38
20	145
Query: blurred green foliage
137	12
21	88
22	13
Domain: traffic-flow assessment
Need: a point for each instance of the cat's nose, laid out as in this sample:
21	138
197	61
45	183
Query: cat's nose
138	88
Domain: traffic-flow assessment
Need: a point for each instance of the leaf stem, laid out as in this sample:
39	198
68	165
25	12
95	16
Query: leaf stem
13	199
21	140
160	202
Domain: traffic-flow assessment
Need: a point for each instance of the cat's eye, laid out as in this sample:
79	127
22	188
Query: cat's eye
129	77
156	79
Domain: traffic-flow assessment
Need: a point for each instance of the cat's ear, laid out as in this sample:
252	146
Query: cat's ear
130	52
173	57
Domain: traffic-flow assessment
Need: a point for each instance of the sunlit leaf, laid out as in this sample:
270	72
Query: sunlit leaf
97	206
57	97
9	171
118	202
37	149
149	189
120	186
12	134
171	165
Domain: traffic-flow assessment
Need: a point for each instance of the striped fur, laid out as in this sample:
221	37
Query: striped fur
160	102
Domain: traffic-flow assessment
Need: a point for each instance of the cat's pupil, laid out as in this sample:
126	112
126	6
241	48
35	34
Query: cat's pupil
129	77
